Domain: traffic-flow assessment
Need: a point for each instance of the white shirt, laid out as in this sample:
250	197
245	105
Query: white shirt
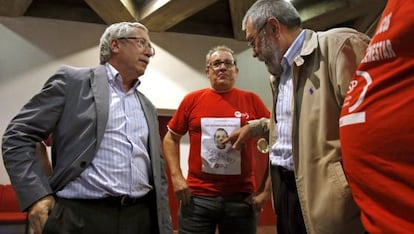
281	153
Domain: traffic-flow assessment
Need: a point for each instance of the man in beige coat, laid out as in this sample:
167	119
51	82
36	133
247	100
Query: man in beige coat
310	75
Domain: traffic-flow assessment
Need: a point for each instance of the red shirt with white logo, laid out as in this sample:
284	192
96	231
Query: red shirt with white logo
213	171
377	125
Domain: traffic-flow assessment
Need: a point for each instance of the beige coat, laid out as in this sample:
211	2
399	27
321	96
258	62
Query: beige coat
321	74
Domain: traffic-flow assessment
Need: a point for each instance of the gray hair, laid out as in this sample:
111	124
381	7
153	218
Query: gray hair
219	48
283	11
112	32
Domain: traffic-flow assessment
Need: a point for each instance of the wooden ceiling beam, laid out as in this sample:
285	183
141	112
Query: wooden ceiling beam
113	11
324	15
317	16
161	15
202	28
14	8
237	10
367	22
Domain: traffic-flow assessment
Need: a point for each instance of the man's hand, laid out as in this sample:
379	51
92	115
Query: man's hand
181	190
39	213
258	200
238	137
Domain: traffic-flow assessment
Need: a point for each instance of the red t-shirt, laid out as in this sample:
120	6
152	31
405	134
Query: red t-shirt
214	170
377	125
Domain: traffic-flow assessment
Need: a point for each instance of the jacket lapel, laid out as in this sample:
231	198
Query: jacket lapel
99	84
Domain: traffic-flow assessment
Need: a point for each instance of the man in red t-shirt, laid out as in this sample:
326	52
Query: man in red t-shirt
377	125
220	184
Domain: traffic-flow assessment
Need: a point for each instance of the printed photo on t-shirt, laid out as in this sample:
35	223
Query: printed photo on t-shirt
219	158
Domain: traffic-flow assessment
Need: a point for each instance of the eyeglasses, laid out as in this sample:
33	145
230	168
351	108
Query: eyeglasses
217	64
141	42
251	43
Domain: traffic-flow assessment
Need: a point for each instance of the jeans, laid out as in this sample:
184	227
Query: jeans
230	214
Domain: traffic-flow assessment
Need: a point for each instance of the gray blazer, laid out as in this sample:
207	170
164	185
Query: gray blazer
72	106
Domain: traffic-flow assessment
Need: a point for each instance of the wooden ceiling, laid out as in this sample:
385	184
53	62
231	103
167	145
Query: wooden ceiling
220	18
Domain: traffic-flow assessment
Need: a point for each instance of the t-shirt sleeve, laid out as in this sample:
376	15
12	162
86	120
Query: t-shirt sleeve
179	122
261	109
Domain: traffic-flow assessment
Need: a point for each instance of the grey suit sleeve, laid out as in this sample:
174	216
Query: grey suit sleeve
32	124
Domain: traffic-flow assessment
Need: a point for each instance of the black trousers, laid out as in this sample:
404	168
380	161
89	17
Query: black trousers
85	216
287	206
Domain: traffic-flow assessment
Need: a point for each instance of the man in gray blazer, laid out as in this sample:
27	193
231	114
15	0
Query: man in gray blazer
108	169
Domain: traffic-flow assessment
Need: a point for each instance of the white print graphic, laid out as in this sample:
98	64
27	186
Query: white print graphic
360	116
384	24
380	50
354	118
238	114
218	158
361	97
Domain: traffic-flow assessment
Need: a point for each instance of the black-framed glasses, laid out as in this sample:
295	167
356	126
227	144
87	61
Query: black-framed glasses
217	64
251	43
141	42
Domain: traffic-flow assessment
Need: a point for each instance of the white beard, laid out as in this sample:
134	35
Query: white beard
272	57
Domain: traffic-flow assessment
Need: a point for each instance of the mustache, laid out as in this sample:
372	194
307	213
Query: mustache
144	59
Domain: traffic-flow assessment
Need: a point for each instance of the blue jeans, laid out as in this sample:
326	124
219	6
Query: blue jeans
230	214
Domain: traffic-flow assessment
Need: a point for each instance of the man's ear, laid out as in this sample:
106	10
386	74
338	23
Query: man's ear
114	46
274	24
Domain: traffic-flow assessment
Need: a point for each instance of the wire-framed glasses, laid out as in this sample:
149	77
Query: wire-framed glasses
141	42
216	65
252	42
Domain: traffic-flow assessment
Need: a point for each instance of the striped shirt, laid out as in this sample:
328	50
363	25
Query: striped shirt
281	153
122	163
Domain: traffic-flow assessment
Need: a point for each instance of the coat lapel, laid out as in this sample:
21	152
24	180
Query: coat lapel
100	86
